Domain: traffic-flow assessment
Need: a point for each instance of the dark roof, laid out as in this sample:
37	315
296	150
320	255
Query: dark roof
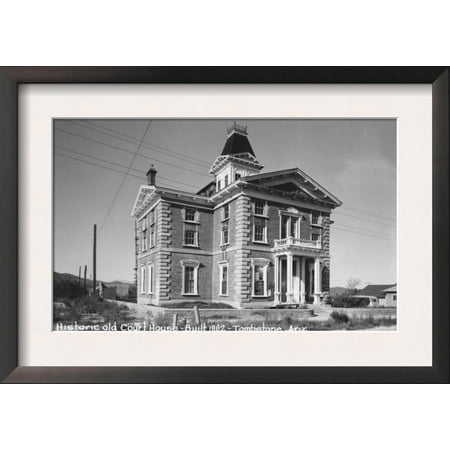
375	290
206	188
391	288
237	143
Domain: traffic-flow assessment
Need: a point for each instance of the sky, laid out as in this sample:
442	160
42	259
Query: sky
99	166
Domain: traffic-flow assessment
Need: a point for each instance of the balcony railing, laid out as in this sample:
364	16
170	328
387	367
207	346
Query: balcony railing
297	242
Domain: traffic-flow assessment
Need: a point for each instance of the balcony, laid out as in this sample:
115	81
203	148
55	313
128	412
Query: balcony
297	243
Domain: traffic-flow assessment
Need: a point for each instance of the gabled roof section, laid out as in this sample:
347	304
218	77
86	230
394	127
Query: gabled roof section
294	181
148	194
208	189
144	195
391	289
374	290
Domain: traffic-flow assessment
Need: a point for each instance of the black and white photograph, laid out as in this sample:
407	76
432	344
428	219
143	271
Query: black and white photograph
218	225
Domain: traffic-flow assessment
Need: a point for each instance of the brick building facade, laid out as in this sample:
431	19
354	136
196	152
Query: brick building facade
247	237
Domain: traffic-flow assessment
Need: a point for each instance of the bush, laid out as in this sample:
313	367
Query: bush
339	317
343	301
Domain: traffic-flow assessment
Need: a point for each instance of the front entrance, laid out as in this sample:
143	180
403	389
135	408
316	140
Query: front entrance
296	267
297	279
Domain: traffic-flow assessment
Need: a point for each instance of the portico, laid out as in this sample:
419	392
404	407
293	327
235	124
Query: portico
297	277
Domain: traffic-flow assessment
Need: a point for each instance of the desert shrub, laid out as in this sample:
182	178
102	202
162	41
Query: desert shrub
339	317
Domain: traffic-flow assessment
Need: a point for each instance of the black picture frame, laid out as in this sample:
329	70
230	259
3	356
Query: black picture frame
12	77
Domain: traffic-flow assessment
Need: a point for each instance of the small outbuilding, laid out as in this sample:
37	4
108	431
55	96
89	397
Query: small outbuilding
390	298
379	295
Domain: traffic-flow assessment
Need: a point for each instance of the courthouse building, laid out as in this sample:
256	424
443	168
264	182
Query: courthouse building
247	238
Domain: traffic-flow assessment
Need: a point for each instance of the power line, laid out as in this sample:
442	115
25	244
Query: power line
390	219
361	218
128	151
111	169
372	233
201	161
120	165
124	178
148	145
365	230
348	229
365	233
98	165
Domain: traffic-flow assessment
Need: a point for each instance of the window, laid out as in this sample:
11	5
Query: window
190	235
144	233
259	230
259	277
150	278
315	218
189	280
223	279
144	241
152	228
189	215
237	176
226	180
218	185
226	212
315	237
284	227
190	277
394	297
260	208
225	234
143	279
294	231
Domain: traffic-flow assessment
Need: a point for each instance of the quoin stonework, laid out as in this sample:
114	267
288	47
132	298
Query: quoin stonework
247	238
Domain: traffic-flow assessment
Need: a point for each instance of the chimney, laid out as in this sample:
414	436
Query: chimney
151	176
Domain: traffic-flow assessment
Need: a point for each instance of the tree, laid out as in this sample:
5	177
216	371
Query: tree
352	285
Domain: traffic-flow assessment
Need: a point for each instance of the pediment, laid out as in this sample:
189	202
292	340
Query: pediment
294	182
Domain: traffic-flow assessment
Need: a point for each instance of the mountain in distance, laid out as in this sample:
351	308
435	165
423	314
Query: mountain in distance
66	285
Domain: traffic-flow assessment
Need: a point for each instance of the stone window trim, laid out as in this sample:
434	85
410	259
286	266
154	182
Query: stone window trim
195	265
264	264
143	279
223	265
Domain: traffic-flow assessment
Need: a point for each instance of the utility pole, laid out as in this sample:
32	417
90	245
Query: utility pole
79	281
84	285
94	262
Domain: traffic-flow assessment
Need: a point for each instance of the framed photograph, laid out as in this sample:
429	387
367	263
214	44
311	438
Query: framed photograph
225	225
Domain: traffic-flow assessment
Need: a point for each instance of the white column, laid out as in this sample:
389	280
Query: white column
297	276
302	281
311	283
317	281
290	290
276	276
